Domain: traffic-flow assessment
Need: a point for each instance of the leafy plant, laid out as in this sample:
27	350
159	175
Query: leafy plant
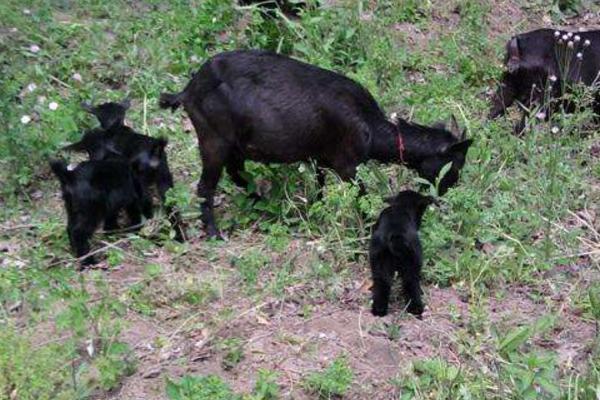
233	349
335	380
208	387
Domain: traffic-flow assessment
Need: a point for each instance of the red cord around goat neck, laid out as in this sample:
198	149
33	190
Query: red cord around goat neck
400	146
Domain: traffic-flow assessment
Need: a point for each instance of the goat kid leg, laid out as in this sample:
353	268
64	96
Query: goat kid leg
382	273
411	278
110	223
79	235
134	212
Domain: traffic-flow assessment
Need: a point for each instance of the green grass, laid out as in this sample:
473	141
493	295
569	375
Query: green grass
66	335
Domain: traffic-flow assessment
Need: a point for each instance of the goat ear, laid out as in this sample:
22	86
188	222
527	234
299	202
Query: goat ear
463	136
514	58
460	147
162	142
390	200
427	200
454	128
439	125
87	106
126	103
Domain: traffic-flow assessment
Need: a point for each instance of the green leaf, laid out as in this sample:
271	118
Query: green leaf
514	339
173	390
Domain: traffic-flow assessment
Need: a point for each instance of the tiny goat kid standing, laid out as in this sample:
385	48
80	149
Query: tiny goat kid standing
395	247
261	106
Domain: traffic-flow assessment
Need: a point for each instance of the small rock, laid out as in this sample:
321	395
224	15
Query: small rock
152	373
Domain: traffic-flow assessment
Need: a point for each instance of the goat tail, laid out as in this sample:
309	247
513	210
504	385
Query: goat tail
170	100
60	169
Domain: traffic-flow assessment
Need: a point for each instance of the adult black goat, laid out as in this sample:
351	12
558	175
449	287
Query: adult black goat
261	106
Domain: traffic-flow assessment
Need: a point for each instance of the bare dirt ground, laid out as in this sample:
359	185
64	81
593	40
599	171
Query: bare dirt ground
278	337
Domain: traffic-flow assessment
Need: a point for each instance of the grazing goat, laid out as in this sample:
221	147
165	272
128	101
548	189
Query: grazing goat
117	141
540	64
95	192
395	247
261	106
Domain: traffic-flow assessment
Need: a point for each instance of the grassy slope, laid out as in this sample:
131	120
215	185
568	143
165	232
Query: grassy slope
509	309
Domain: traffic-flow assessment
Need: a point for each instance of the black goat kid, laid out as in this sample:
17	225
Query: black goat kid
262	106
395	247
95	192
116	141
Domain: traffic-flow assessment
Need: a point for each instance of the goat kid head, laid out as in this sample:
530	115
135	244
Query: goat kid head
109	114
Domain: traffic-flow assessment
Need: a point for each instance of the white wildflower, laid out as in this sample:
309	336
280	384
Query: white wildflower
25	119
555	129
587	42
90	347
41	99
26	11
214	20
553	78
565	37
31	87
570	34
194	59
77	77
541	115
556	33
570	44
53	105
577	38
579	56
13	30
34	48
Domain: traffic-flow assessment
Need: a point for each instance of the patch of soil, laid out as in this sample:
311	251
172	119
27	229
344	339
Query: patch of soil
377	349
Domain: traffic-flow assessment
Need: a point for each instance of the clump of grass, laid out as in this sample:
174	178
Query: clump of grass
335	380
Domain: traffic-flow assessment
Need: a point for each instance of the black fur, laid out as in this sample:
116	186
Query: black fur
395	247
95	192
109	114
146	153
261	106
288	7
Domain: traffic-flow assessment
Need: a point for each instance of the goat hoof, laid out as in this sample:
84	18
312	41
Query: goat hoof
179	237
214	234
379	311
86	262
416	309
